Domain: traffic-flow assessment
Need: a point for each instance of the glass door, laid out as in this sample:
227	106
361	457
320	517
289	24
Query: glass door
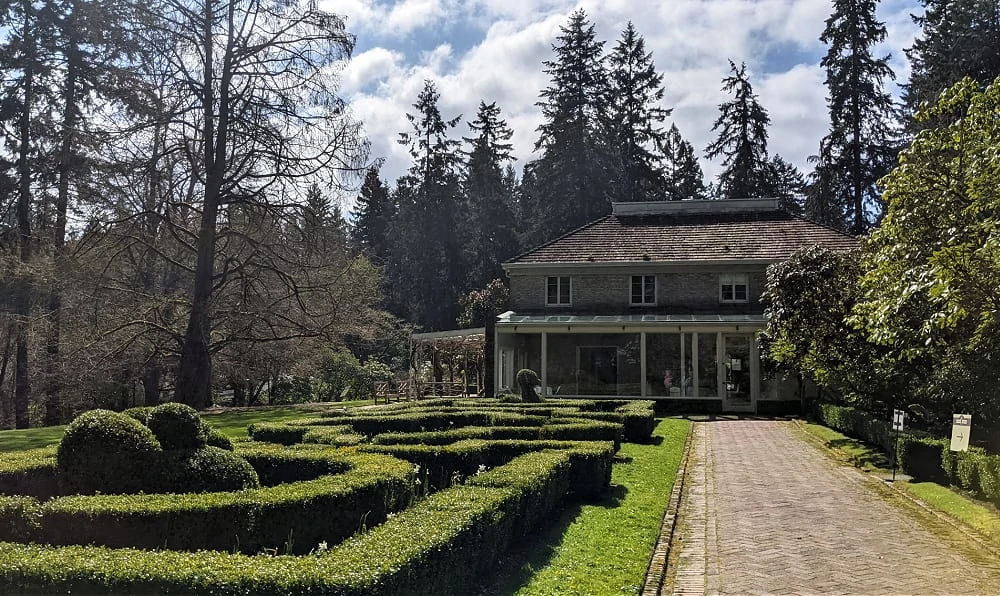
736	358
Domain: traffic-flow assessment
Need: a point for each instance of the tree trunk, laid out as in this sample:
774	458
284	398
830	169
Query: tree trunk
152	373
22	386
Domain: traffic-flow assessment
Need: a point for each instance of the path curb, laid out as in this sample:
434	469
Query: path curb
657	570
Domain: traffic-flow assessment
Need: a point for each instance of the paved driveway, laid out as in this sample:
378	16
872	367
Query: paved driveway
766	512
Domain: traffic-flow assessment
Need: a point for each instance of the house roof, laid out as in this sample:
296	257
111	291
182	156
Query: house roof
770	235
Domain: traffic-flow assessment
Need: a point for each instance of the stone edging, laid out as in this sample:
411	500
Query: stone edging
657	569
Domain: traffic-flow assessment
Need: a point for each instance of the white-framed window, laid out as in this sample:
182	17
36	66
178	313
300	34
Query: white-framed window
733	287
557	291
643	290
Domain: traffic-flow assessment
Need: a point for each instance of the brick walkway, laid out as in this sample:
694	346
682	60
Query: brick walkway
766	512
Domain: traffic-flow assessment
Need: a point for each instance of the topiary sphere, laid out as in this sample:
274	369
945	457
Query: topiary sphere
208	469
177	426
107	452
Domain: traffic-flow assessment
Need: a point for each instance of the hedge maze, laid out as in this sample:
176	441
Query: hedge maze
416	498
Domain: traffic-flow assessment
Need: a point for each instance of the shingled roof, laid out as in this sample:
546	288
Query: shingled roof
769	235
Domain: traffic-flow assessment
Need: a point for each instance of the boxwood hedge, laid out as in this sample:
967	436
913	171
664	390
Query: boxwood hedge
31	472
442	545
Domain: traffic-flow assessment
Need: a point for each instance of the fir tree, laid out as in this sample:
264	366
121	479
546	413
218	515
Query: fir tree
489	189
960	38
374	212
571	177
428	264
684	178
634	119
742	126
787	184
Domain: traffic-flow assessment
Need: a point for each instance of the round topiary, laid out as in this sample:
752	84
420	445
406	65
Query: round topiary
107	452
527	380
208	469
178	426
217	439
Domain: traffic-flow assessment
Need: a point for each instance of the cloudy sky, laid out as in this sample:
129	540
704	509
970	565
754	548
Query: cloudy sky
493	50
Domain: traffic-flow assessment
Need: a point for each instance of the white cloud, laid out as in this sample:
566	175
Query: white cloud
691	41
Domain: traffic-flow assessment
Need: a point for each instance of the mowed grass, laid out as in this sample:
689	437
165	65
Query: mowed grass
983	518
604	547
232	423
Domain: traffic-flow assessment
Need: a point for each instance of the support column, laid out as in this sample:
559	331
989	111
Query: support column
642	364
545	361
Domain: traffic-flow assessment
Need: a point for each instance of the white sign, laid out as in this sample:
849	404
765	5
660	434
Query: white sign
898	416
961	427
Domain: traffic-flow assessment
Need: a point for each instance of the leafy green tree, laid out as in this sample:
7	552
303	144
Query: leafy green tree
860	147
372	218
929	290
808	301
480	305
489	185
570	181
428	268
959	38
684	177
742	142
634	119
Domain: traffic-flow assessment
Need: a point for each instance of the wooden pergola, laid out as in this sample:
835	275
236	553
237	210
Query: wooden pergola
444	363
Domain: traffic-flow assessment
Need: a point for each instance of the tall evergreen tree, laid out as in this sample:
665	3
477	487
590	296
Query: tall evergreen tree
742	142
571	178
634	119
786	183
684	178
960	38
428	265
372	218
860	147
489	188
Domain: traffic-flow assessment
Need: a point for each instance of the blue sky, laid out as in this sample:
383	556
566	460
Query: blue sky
493	50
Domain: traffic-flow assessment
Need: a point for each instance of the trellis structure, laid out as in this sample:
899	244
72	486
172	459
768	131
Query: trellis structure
446	363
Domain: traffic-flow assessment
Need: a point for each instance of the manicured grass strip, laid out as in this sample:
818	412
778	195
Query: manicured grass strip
981	517
605	547
23	439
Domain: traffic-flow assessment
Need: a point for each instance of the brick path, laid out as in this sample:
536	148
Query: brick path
764	511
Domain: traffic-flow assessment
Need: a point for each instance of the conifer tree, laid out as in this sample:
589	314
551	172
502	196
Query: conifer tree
372	217
960	38
634	119
489	188
785	183
428	264
860	147
571	178
683	174
742	142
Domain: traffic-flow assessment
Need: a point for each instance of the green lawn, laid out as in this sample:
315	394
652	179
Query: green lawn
605	547
981	517
232	423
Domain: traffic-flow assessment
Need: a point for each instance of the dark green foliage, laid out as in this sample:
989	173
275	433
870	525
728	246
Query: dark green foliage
478	306
178	426
375	209
920	457
31	473
861	145
216	439
684	178
282	433
634	121
19	518
140	413
959	38
332	435
446	437
105	451
856	423
742	142
205	469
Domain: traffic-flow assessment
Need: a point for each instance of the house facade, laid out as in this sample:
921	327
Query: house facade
658	301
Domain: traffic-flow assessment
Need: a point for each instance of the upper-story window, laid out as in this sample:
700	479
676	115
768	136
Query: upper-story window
557	291
643	290
733	287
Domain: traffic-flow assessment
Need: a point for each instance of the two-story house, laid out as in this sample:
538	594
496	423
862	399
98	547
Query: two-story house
657	300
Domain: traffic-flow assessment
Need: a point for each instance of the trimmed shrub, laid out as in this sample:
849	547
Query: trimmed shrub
855	423
921	457
140	413
217	439
202	470
105	451
332	435
281	433
178	426
277	465
19	518
30	473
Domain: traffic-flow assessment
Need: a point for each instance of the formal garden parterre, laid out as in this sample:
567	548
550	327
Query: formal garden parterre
416	498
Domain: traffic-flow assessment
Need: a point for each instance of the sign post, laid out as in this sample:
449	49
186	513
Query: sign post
898	419
961	427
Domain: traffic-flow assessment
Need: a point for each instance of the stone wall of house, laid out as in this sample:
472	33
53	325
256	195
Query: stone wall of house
609	293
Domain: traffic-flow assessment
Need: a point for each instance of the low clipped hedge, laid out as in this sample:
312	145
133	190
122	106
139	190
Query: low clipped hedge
856	423
293	517
445	437
31	473
920	457
19	518
442	545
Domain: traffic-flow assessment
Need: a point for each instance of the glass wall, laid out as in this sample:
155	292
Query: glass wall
669	365
593	364
708	377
